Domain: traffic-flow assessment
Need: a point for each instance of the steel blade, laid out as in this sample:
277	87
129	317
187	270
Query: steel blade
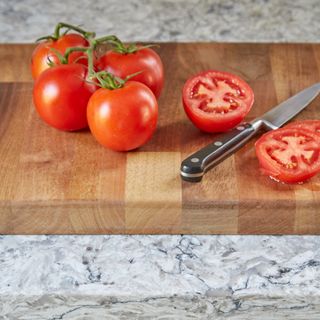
286	110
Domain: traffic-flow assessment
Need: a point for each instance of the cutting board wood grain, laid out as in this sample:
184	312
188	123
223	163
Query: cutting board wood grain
54	182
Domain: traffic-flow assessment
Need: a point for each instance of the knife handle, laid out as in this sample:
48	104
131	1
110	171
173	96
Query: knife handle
224	145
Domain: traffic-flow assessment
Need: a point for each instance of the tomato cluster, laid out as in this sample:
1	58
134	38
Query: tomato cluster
114	93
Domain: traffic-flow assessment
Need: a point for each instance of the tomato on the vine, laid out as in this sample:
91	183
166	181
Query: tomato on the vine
290	155
61	94
216	101
143	60
44	53
123	118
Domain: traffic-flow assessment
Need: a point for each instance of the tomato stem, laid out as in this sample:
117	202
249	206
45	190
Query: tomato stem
61	25
90	52
87	50
119	46
60	57
109	81
67	53
46	38
106	39
64	59
56	34
93	43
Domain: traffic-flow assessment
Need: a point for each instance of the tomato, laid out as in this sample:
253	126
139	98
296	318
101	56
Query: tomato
290	155
312	125
42	54
61	94
145	60
216	101
123	119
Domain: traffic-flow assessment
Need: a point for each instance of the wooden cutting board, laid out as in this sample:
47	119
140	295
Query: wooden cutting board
55	182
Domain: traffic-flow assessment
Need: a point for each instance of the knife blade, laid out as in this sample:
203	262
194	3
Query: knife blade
193	168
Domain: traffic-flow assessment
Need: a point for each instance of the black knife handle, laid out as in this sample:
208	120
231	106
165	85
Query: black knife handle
194	167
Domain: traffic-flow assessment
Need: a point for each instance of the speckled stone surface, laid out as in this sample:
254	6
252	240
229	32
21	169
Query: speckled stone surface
147	277
166	20
162	277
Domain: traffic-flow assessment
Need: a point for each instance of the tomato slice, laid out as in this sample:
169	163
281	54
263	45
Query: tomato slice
289	155
311	125
216	101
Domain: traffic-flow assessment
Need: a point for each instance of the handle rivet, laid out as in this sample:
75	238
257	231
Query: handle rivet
240	128
194	160
218	143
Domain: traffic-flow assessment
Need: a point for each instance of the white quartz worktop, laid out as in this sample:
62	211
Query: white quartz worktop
162	277
147	277
167	20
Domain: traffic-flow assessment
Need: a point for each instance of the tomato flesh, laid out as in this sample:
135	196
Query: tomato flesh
290	155
223	101
216	101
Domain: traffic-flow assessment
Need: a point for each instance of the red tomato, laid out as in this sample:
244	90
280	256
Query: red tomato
60	95
123	119
145	60
216	101
290	155
42	54
312	125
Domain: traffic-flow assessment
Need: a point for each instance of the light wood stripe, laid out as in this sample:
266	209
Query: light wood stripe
212	204
15	62
153	191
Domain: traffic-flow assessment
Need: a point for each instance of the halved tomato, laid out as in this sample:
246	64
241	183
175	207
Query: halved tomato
290	155
312	125
216	101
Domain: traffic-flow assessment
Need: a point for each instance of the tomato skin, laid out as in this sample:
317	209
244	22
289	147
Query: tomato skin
271	165
145	60
216	122
60	95
211	125
123	119
311	125
43	53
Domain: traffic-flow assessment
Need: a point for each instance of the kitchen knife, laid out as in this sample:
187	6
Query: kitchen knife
224	145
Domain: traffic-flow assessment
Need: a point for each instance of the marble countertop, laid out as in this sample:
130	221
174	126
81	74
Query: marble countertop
162	277
167	20
147	277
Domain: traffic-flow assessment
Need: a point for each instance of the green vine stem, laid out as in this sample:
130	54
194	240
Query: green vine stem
109	81
105	79
63	59
61	25
90	52
56	35
119	46
70	50
106	39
